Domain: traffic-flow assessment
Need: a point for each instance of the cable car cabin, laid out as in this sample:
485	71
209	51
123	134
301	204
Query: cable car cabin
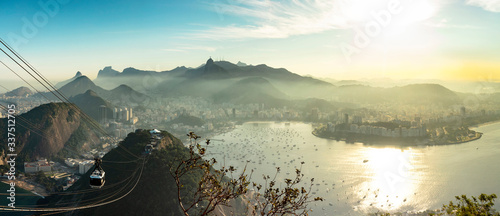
97	179
148	149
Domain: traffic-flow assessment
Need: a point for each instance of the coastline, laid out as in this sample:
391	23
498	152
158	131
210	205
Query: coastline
405	142
37	190
485	124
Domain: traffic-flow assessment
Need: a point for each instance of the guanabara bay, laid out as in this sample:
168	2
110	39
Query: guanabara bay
259	107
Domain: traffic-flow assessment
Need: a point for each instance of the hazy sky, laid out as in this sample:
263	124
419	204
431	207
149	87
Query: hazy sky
344	39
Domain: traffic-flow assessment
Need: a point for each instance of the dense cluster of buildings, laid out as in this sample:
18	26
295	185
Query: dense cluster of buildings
118	114
37	166
82	164
415	131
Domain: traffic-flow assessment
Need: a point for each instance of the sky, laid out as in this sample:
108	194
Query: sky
338	39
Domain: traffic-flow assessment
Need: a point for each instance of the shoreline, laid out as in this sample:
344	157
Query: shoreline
485	124
39	191
404	142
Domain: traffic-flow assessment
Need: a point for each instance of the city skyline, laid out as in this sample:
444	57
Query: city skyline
445	39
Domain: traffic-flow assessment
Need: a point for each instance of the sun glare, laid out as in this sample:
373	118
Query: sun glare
391	173
360	11
417	11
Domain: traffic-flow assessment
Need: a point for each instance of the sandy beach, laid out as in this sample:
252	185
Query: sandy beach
29	187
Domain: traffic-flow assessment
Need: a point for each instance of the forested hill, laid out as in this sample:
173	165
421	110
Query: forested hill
46	130
155	193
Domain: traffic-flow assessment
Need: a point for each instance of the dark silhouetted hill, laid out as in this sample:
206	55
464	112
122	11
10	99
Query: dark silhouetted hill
45	130
155	193
121	95
89	102
81	85
125	95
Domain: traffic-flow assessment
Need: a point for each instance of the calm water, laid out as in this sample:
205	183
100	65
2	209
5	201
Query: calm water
393	179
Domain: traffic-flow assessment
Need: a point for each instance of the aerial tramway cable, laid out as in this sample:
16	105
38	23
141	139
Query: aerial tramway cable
62	98
65	99
76	207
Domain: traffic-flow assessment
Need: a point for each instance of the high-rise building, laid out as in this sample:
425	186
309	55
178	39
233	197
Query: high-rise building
102	114
125	114
85	166
346	118
119	114
115	113
234	112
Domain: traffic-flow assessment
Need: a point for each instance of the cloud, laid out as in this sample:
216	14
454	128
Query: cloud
275	19
185	48
282	19
489	5
444	23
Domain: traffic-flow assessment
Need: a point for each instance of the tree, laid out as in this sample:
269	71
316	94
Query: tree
218	187
287	201
483	205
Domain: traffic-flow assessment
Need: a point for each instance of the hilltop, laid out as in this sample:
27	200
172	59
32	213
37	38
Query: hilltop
89	102
52	126
19	92
155	193
62	83
122	94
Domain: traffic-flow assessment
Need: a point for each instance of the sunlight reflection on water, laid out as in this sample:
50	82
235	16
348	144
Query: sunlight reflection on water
357	179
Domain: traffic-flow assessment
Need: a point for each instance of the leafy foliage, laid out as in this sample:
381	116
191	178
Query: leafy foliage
49	183
217	187
482	205
287	201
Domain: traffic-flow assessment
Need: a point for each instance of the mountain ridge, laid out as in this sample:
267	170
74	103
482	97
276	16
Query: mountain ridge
62	83
19	92
122	94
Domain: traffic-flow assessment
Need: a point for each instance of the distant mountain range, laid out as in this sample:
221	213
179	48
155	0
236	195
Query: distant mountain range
19	92
240	83
208	79
61	84
462	86
409	94
140	80
121	95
